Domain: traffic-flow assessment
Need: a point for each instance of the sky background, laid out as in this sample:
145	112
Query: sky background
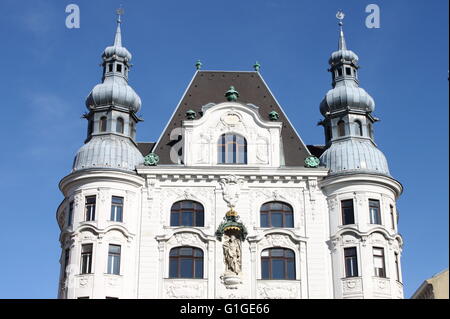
48	70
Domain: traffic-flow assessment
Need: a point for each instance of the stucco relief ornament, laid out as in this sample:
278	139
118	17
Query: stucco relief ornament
231	187
151	159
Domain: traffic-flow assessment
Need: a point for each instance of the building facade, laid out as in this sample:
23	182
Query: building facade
229	202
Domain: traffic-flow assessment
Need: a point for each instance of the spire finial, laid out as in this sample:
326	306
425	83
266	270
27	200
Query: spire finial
340	16
118	37
256	66
198	64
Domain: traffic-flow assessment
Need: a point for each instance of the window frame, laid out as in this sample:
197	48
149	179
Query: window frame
284	258
286	209
353	259
120	128
114	210
192	257
89	208
343	214
341	128
373	218
197	209
379	272
86	259
103	124
223	149
113	268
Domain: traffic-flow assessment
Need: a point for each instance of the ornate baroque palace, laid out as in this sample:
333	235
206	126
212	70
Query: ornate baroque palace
229	202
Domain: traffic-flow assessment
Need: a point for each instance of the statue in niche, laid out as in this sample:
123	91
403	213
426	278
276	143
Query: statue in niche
232	254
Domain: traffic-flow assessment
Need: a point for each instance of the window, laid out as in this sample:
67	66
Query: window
369	127
392	216
90	208
186	262
351	262
276	214
278	263
339	70
341	128
119	68
374	209
397	267
348	71
232	149
114	260
86	259
103	122
70	214
378	262
116	209
66	262
348	215
110	67
187	213
358	128
119	125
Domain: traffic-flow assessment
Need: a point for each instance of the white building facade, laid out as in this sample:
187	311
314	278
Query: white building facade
229	202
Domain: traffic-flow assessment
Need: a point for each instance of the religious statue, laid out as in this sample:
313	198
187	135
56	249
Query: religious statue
232	254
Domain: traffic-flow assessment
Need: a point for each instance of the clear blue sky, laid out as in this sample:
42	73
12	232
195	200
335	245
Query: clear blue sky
48	70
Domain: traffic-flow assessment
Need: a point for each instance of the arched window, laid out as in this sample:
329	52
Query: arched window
186	262
103	122
232	149
119	125
187	213
278	263
358	128
341	128
276	214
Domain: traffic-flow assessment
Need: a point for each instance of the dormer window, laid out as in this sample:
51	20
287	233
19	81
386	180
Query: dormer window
232	149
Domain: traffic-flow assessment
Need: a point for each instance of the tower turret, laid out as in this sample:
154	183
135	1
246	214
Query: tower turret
348	122
112	117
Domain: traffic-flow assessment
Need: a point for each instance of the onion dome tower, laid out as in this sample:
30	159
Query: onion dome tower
112	118
364	240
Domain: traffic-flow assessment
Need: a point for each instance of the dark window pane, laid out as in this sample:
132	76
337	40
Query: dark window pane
275	252
277	220
187	219
186	267
291	270
174	219
173	270
199	268
199	219
265	269
289	220
186	251
174	252
277	269
264	220
198	252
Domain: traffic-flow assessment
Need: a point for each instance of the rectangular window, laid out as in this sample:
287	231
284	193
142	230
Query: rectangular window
378	262
110	67
114	260
348	215
70	214
339	71
119	68
374	209
90	208
397	267
348	71
392	216
86	259
116	209
66	261
351	262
